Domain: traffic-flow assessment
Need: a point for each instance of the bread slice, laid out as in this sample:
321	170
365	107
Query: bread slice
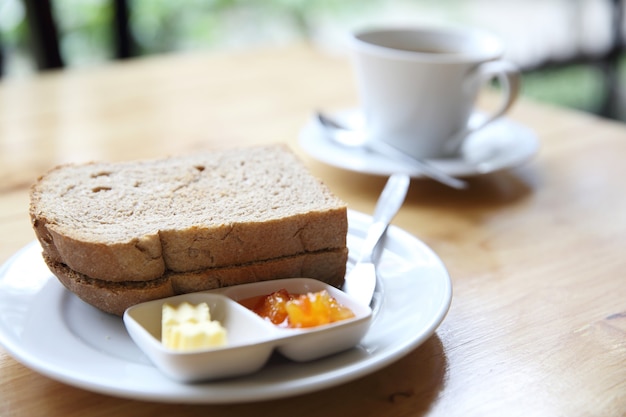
141	220
117	234
115	297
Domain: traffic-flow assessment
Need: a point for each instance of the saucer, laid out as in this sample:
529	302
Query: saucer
500	145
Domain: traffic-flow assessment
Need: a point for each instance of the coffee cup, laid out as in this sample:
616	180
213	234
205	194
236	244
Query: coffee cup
418	87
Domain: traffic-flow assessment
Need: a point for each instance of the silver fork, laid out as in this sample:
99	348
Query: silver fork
361	281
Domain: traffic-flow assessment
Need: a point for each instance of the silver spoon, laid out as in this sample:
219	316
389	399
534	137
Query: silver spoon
357	139
361	281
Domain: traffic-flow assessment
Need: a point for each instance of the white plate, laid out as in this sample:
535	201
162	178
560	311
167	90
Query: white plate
48	329
500	145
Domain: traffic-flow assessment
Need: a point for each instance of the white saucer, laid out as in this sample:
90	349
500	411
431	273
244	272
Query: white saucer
500	145
50	330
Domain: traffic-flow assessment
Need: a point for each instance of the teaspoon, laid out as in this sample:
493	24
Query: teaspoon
357	139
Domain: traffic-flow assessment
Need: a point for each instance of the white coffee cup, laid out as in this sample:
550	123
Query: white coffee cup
418	87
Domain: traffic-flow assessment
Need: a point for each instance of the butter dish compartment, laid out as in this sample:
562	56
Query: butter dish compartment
251	339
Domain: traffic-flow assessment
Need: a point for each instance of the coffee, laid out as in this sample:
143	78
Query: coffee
431	50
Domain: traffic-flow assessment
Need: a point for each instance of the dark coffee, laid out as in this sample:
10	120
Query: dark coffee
426	50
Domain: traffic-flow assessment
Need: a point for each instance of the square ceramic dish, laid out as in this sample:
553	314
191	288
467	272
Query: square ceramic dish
251	339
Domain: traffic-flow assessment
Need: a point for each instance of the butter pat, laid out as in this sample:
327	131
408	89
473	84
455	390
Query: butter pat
189	327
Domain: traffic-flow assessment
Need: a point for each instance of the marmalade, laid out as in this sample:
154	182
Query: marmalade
298	310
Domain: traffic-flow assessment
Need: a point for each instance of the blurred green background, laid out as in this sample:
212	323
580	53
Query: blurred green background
561	45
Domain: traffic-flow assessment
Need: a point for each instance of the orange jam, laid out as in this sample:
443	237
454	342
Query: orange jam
298	310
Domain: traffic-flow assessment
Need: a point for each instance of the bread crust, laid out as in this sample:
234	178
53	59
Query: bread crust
115	297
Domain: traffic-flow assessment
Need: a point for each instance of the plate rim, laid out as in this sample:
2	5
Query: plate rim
196	394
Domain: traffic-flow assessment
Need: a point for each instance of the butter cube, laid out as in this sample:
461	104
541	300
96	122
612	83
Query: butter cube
189	327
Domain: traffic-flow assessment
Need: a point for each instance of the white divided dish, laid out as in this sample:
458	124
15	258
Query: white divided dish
251	339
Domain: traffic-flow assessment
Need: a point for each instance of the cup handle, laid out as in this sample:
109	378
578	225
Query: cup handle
510	81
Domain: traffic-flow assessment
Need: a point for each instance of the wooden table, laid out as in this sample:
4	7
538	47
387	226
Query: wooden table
537	254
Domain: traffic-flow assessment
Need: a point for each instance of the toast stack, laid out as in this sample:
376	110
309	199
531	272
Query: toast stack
117	234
